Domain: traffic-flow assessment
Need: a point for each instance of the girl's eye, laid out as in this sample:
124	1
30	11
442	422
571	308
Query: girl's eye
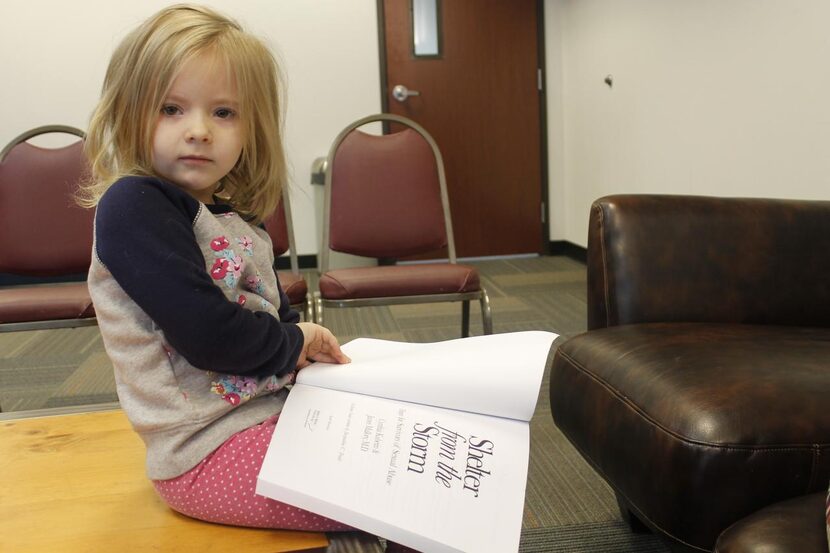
170	110
224	113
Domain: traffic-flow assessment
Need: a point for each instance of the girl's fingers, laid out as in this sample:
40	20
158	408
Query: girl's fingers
338	356
333	350
331	357
320	345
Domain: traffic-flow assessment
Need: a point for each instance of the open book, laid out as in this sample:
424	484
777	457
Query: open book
423	444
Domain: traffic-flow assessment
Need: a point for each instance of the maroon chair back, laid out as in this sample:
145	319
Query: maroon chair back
385	196
43	232
277	228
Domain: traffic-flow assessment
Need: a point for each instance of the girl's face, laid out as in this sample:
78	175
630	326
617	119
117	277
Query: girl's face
198	136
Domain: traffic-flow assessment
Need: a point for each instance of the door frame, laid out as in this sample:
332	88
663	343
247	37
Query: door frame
545	247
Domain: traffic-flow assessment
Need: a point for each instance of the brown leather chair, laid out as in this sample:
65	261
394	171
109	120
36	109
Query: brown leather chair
700	390
44	233
281	230
386	198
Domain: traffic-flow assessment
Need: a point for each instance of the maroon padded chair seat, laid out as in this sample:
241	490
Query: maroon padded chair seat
294	286
45	303
793	526
398	280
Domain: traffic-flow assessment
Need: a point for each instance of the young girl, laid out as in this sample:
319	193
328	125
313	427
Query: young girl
186	155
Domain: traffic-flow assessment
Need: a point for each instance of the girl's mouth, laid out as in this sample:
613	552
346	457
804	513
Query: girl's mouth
195	159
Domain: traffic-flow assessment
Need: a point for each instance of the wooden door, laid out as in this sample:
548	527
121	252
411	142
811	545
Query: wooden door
480	98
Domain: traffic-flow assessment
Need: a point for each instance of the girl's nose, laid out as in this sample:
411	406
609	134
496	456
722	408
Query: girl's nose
198	131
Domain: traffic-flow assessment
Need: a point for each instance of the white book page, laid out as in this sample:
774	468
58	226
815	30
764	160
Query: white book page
433	479
497	374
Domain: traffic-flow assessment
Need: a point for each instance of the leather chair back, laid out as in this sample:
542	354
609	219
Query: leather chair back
656	258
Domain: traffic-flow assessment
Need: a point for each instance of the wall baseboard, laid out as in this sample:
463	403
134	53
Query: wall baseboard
568	249
308	261
19	280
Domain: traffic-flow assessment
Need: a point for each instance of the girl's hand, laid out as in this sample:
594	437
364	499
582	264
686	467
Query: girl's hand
319	344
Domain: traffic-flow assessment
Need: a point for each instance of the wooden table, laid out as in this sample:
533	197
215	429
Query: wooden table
76	483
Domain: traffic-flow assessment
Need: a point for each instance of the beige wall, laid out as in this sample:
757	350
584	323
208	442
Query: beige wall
721	97
54	53
718	97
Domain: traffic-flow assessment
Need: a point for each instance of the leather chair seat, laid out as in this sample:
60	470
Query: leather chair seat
793	526
45	303
721	417
398	280
294	286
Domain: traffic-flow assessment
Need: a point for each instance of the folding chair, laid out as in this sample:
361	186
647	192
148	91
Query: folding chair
44	233
386	197
281	230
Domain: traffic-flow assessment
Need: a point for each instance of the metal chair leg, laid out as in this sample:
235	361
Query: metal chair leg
486	315
308	312
318	309
465	318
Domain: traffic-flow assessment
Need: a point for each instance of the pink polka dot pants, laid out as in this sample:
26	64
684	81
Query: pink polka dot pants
221	488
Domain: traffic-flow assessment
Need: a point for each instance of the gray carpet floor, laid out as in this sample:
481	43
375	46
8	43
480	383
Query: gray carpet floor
568	508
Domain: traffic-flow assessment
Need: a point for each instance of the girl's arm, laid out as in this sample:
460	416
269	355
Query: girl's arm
144	236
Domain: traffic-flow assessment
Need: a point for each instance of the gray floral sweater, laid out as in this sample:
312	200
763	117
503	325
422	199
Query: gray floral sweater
201	336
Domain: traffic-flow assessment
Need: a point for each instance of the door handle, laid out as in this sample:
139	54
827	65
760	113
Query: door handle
401	93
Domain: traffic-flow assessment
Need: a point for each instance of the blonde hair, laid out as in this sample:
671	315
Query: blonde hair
139	76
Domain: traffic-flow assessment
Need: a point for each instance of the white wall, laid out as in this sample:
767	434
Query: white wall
717	97
720	97
555	13
54	54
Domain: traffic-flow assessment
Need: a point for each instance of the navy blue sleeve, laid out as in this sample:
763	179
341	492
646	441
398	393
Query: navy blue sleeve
144	236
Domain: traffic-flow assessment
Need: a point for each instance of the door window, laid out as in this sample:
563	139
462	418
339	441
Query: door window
426	28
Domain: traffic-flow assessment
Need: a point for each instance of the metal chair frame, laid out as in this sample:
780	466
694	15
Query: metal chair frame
306	307
23	137
465	297
49	324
